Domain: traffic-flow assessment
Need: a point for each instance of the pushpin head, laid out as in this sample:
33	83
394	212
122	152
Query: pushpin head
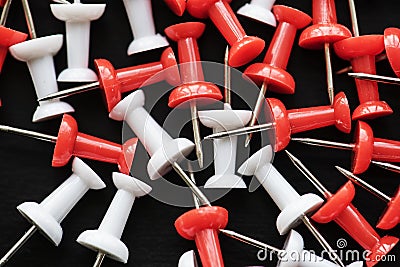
64	148
342	113
363	147
9	37
354	47
2	2
245	50
315	36
282	123
392	48
199	8
391	216
291	15
335	204
177	6
260	11
203	92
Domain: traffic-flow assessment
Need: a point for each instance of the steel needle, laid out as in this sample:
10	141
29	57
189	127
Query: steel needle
256	111
28	133
99	259
196	132
72	91
241	131
29	19
378	58
4	12
227	78
329	75
324	143
374	77
387	166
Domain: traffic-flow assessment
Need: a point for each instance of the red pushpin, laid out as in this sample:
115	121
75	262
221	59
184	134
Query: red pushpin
391	217
177	6
194	90
365	148
116	82
202	225
272	72
8	37
338	208
243	48
324	31
69	142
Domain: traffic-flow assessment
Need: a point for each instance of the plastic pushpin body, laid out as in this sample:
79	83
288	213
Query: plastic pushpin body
338	208
70	143
294	245
116	82
177	6
392	48
202	225
292	205
272	70
140	17
107	238
361	52
391	217
244	48
38	54
292	121
225	148
325	28
9	37
48	215
163	150
77	17
259	10
188	259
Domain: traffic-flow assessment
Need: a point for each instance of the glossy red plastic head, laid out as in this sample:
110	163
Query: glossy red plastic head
391	216
282	123
177	6
185	30
199	8
366	45
292	16
9	37
2	2
363	147
392	48
65	144
335	204
203	93
342	113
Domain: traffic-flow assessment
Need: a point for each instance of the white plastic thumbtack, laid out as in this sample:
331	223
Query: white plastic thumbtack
106	239
38	54
77	17
48	215
163	150
140	17
188	259
259	10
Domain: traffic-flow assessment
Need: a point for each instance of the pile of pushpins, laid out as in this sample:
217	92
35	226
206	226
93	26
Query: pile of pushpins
180	66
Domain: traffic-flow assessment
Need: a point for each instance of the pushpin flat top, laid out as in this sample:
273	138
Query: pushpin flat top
392	48
203	93
391	216
291	15
199	8
366	45
77	12
363	147
177	6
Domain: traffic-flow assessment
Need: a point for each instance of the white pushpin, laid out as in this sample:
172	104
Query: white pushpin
38	54
77	19
48	215
107	238
188	259
140	17
163	150
225	148
259	10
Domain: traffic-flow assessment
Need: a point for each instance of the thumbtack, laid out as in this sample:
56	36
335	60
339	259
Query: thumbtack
77	17
140	17
163	150
339	208
8	37
38	54
47	215
391	216
271	73
324	31
287	122
294	245
259	10
177	6
294	208
114	83
106	239
244	48
69	142
365	147
361	52
193	90
188	259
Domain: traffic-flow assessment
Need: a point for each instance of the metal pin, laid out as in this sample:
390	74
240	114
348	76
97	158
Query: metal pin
353	15
373	77
202	198
4	12
29	19
303	169
196	132
329	75
387	166
72	91
18	245
364	184
256	111
323	143
62	1
227	77
252	242
241	131
28	133
191	175
378	58
99	259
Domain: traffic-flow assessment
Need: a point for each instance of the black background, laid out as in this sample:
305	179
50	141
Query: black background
26	173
